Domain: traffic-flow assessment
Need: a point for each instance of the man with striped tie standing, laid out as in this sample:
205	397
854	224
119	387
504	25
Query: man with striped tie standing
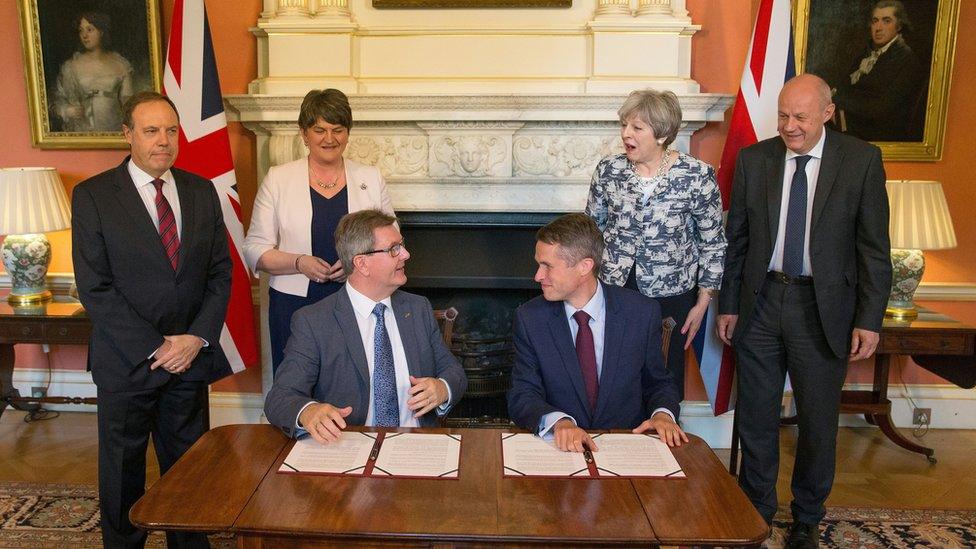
153	272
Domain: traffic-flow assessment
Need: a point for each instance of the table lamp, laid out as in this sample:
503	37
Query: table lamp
919	221
32	202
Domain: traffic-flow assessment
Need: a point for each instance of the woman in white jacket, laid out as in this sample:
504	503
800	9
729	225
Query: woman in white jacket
297	209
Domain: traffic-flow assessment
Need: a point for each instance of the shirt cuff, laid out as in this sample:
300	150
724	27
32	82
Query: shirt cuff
666	411
547	422
443	408
299	430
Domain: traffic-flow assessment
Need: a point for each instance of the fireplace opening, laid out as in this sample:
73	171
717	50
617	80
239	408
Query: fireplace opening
480	263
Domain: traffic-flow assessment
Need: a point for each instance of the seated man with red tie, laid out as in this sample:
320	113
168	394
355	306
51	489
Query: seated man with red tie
588	355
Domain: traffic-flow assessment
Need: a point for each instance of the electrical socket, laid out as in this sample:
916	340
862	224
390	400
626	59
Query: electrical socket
922	416
38	392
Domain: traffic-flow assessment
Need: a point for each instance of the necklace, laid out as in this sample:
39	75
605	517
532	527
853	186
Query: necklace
318	180
662	168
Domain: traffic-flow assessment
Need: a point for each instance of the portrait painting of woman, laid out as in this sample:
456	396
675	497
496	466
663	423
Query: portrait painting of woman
84	59
94	82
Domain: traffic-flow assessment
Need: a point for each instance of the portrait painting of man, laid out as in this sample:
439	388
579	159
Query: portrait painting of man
876	55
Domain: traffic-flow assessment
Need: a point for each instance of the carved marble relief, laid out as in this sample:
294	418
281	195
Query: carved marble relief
561	156
395	156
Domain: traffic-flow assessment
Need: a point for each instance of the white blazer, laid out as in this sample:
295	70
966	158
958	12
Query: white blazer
282	215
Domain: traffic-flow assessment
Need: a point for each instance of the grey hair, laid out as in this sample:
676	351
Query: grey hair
659	109
354	234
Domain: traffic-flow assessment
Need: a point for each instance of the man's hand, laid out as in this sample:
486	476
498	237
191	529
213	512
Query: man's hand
863	344
725	327
324	421
428	393
177	353
570	438
665	427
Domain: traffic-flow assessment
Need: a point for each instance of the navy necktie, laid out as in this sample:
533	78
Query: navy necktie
386	408
796	220
586	353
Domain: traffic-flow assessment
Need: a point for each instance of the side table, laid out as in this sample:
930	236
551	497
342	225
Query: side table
62	321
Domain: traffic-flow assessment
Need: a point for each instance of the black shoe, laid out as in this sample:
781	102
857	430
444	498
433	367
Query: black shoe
803	536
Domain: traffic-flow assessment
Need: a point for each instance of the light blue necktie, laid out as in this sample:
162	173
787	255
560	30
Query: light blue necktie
386	408
796	220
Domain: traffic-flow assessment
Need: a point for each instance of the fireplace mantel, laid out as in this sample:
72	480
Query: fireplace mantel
472	152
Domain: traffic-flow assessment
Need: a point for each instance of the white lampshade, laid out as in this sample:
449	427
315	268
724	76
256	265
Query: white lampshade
919	216
32	200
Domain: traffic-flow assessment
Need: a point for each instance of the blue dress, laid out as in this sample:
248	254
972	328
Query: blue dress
326	213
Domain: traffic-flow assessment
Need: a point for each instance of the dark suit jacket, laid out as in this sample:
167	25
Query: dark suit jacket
129	288
884	104
547	377
849	247
325	360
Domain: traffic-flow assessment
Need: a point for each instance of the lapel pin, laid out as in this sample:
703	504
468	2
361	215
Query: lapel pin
406	315
362	185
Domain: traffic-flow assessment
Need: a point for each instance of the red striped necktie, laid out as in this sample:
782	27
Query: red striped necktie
167	225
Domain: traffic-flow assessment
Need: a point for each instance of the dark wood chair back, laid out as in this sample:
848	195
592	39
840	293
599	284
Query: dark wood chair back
445	320
667	326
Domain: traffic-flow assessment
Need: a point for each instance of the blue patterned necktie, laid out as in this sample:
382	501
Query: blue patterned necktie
796	220
386	408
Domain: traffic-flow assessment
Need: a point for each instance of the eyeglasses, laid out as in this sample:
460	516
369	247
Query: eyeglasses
393	250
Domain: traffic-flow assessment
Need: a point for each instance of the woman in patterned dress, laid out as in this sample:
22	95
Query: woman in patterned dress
660	212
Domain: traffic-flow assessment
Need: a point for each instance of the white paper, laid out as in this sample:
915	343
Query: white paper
529	455
348	455
635	456
418	455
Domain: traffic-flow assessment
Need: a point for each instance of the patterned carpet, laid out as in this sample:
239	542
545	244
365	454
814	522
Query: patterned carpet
62	515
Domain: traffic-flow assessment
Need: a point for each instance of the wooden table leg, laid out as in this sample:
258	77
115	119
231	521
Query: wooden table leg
882	367
9	395
894	435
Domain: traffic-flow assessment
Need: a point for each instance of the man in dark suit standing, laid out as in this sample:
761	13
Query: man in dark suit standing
368	354
807	277
588	355
153	272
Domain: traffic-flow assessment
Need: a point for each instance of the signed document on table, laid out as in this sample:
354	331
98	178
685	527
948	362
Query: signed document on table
623	455
405	455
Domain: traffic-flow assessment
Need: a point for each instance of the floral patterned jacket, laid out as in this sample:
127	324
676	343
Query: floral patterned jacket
675	236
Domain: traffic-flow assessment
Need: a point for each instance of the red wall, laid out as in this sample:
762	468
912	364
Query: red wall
719	50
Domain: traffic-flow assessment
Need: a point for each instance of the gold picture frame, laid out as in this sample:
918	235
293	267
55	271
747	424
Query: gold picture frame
471	4
931	41
75	86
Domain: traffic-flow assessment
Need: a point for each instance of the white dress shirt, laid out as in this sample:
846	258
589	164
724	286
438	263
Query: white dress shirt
813	171
596	307
147	192
363	307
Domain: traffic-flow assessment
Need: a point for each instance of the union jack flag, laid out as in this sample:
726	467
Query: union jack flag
769	64
191	82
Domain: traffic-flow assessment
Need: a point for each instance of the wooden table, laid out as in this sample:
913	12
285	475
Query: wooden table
62	321
935	342
228	482
928	340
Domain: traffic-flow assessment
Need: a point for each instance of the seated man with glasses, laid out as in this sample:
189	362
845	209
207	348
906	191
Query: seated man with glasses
368	354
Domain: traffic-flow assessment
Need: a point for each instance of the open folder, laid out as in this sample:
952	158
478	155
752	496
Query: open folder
401	455
623	455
